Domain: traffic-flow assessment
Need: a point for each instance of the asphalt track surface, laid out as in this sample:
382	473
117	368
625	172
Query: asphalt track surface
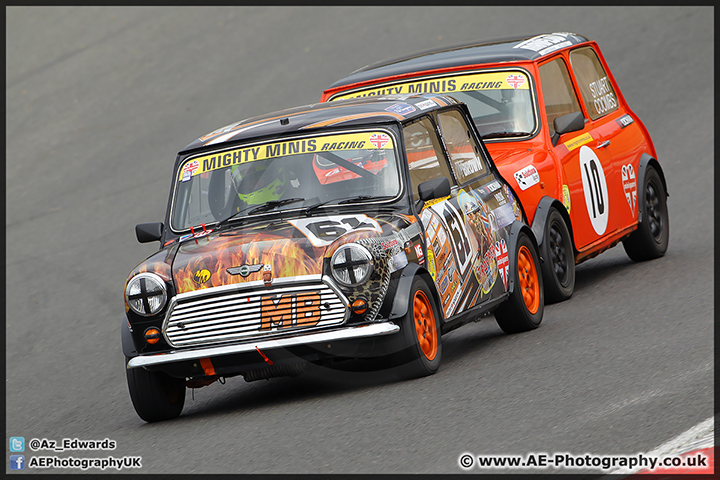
99	100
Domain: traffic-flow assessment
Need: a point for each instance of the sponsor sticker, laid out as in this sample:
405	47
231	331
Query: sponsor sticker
401	109
189	169
424	105
201	276
527	177
625	120
578	142
630	186
444	284
544	44
566	198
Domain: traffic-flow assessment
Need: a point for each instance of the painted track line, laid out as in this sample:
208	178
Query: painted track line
700	438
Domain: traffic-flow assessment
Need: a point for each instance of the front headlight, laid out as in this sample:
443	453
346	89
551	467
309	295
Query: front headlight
146	294
351	265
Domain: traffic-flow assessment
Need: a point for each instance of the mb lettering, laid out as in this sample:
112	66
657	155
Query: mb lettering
286	311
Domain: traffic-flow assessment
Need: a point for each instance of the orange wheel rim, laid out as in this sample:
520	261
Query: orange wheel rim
425	328
528	280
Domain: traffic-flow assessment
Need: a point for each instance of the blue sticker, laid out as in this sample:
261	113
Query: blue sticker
401	109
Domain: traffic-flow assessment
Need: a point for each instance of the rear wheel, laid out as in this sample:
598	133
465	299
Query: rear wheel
558	269
155	395
421	329
652	236
523	310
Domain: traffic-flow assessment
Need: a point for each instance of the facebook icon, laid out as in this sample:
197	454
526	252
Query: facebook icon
17	462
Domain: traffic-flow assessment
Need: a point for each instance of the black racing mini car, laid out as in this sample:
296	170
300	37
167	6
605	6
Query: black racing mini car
361	229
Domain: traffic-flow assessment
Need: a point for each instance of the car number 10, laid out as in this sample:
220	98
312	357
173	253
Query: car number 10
594	188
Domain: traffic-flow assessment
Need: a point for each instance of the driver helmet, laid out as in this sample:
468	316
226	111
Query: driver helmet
258	182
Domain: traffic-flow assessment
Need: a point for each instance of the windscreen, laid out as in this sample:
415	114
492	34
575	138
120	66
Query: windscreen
501	102
285	174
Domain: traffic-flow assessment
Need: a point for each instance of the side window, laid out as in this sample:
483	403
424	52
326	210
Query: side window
425	158
597	92
557	90
460	146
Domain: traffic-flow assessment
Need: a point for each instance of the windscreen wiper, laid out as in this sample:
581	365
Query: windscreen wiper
253	209
503	134
274	203
345	200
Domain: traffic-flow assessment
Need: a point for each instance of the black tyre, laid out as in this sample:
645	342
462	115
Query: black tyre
155	395
523	310
652	236
421	331
558	268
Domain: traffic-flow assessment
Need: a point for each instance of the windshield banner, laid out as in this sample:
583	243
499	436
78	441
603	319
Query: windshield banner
459	83
327	143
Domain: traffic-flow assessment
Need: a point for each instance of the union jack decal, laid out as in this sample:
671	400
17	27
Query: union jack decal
503	263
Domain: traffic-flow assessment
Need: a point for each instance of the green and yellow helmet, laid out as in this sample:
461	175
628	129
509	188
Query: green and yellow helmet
258	182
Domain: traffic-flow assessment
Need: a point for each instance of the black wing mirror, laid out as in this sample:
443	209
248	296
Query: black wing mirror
149	232
570	122
435	188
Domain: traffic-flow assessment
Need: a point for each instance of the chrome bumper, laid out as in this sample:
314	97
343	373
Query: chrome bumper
348	333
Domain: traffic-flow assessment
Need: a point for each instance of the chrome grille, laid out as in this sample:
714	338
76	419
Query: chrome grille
248	310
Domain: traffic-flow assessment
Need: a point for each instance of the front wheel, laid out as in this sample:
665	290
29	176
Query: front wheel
652	236
558	269
421	330
156	396
523	310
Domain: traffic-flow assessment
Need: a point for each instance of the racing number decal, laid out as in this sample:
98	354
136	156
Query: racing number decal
323	231
458	233
594	188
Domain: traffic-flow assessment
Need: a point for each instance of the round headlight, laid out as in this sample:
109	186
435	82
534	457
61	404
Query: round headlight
351	265
146	294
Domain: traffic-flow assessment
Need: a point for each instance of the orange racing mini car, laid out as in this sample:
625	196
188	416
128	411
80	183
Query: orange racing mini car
560	132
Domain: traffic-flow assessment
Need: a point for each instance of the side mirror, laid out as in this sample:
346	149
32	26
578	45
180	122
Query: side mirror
570	122
435	188
149	232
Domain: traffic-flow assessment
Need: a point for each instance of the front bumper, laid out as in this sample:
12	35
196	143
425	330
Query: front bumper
347	333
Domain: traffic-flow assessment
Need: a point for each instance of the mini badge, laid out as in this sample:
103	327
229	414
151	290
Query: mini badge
245	270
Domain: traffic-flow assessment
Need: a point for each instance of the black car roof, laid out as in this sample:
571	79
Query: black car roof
509	49
366	110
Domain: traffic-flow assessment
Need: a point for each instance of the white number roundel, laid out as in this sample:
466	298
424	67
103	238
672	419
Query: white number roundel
594	188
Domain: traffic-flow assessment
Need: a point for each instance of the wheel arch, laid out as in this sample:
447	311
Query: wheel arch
128	346
401	301
516	228
647	161
540	221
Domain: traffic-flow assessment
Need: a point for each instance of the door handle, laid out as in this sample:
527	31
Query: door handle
603	145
